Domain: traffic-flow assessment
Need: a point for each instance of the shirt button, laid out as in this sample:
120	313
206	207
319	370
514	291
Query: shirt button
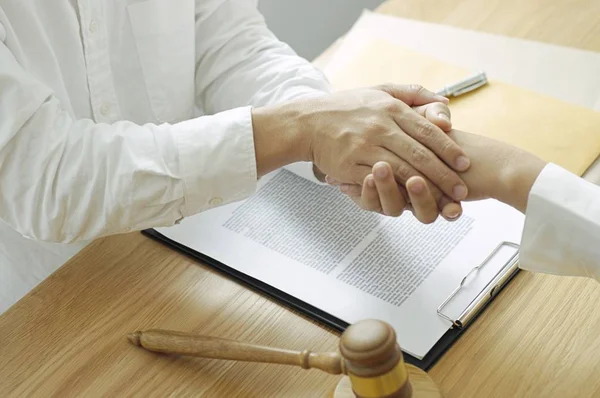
216	201
105	109
93	26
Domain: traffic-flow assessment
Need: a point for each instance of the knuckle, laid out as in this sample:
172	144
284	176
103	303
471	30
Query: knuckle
419	155
402	172
391	106
375	127
385	87
416	88
359	144
444	175
347	136
426	131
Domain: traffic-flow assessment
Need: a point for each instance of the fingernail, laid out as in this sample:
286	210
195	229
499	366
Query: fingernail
370	182
462	163
344	188
381	172
444	117
416	187
460	192
453	215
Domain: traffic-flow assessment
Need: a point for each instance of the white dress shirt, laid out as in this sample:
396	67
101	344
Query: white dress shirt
562	225
101	129
122	115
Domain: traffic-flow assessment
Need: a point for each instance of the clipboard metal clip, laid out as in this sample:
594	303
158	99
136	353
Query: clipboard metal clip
488	292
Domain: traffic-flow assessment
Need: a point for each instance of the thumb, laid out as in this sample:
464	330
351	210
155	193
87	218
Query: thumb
437	113
412	94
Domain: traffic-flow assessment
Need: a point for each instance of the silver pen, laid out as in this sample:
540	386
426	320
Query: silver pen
465	85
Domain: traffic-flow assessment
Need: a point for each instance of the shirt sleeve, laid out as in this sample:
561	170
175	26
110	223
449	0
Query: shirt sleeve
562	225
65	179
241	63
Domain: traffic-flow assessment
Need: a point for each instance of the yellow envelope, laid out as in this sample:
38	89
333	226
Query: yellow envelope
558	132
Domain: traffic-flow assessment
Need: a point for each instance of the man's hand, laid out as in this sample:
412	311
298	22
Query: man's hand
381	193
346	133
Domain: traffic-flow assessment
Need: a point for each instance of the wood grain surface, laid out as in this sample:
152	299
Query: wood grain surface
540	338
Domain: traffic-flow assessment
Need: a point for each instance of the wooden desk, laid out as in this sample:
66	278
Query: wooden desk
67	338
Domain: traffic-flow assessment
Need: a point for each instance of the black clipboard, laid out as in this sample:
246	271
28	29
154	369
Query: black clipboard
443	344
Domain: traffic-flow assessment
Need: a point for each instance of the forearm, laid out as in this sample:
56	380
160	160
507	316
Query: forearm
240	62
279	139
518	179
498	170
65	180
562	223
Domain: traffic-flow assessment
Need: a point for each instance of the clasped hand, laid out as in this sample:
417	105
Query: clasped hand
407	161
392	148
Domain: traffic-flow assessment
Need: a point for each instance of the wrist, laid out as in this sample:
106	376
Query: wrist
518	179
278	138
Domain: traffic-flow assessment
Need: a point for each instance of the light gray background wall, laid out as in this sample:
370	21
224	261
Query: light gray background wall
310	26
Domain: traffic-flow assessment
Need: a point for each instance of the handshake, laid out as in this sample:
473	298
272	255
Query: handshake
392	148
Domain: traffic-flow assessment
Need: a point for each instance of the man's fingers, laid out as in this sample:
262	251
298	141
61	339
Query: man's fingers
424	206
428	145
390	198
412	94
437	113
409	158
432	137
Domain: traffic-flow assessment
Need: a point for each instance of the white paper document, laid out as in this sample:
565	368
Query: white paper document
314	243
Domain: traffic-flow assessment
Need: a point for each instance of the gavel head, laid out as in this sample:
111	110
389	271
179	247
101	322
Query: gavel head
374	361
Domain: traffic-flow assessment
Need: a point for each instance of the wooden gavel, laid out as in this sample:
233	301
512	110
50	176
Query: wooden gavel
368	354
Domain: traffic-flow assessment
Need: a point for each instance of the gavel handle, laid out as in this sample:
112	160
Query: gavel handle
172	342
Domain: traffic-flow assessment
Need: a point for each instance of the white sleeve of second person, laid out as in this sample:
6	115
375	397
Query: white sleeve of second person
65	180
562	225
240	62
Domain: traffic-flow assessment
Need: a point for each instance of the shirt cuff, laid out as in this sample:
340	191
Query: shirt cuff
551	210
217	159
